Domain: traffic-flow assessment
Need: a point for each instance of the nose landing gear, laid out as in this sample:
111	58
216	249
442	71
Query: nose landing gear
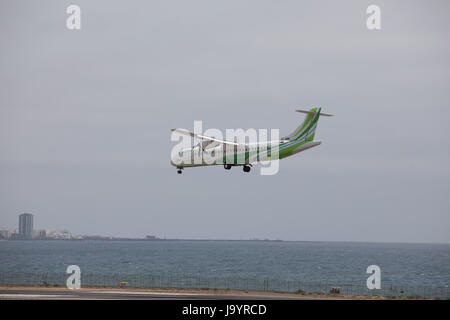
246	168
179	171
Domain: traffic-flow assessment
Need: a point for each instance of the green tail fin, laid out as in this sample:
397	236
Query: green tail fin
307	129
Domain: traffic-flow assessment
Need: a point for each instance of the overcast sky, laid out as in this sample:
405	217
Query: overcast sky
85	117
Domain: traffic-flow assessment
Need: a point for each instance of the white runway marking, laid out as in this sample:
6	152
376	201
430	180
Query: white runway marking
152	293
28	296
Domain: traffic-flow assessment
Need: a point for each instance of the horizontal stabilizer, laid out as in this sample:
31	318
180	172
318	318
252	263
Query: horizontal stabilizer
312	112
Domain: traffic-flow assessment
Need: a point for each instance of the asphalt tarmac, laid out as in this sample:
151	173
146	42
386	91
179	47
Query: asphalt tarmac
123	294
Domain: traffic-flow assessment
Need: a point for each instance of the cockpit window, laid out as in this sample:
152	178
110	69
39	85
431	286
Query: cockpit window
204	144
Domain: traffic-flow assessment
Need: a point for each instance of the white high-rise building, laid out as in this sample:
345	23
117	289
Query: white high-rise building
26	226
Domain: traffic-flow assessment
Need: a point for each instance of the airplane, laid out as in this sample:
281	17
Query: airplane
230	154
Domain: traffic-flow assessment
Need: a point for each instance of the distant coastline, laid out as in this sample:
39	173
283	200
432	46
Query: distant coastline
94	238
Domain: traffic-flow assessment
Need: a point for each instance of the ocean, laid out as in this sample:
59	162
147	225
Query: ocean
322	263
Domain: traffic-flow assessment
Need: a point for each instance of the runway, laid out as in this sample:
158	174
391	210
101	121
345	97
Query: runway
17	293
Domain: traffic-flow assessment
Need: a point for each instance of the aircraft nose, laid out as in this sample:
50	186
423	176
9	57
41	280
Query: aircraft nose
175	160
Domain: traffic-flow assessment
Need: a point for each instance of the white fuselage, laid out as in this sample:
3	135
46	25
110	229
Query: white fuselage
221	154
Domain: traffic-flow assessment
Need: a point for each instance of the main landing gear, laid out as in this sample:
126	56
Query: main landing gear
246	167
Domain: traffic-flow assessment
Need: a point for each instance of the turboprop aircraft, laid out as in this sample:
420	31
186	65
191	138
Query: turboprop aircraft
230	154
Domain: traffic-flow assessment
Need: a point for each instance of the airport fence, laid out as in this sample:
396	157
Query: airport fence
224	283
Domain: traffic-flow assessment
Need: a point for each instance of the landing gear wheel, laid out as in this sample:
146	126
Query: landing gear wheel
179	171
246	168
227	166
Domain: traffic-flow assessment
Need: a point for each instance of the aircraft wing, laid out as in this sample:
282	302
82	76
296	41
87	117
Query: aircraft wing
194	135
